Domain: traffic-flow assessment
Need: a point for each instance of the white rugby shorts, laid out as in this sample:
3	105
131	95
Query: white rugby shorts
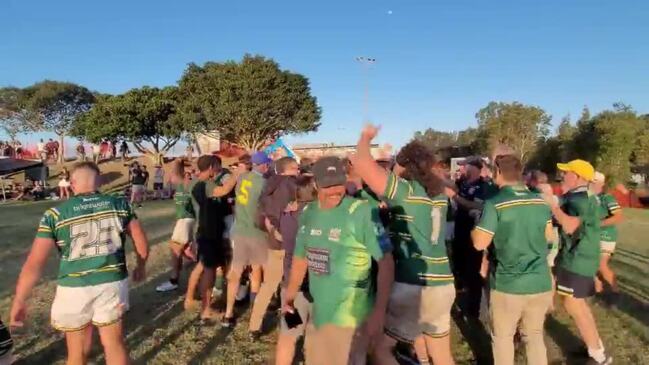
75	308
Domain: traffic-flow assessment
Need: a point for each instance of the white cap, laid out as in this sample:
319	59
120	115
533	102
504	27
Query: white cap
599	177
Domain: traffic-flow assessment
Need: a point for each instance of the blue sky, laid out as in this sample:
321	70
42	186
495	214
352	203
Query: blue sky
438	62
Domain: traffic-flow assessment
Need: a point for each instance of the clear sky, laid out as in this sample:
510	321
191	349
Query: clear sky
438	62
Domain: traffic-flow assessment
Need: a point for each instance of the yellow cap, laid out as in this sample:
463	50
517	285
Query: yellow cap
581	168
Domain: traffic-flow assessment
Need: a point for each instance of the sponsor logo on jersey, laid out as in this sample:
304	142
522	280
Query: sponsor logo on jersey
316	232
334	234
318	259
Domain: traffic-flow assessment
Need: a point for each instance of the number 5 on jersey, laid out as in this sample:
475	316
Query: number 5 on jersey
242	194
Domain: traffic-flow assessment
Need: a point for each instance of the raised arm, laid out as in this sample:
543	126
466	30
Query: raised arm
372	174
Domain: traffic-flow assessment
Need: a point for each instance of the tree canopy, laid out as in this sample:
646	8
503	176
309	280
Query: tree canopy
56	105
15	117
248	102
146	116
516	125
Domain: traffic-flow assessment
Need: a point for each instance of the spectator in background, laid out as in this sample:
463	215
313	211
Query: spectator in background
145	173
64	184
49	148
158	182
96	153
4	149
124	151
42	152
38	192
113	149
55	150
81	152
138	187
189	151
105	149
18	148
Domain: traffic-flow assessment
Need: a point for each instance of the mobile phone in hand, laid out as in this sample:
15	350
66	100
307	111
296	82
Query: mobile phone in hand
293	319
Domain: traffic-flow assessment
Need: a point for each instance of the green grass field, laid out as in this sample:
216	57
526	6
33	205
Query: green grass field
160	332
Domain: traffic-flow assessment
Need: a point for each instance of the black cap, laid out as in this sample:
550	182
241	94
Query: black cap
329	171
473	161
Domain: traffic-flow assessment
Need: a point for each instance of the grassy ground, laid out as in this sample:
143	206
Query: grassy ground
160	332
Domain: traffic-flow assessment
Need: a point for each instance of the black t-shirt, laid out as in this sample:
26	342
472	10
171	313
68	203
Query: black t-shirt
210	214
137	177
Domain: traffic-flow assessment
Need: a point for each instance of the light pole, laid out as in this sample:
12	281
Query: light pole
366	63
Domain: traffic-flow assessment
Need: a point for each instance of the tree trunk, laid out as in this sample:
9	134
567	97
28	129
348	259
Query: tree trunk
196	144
156	158
61	151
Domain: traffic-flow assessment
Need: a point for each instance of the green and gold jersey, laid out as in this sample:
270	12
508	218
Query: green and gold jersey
517	220
339	245
183	201
89	232
607	207
418	233
580	251
246	209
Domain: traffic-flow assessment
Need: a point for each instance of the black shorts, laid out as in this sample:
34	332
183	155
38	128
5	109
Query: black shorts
5	340
214	253
157	186
574	285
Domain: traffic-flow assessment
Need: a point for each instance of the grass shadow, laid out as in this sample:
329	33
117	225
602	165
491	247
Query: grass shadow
570	345
153	351
476	336
204	354
110	177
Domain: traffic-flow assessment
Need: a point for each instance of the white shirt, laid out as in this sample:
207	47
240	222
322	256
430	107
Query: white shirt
41	147
96	148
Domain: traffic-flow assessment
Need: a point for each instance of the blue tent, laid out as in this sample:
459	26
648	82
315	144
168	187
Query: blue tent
277	145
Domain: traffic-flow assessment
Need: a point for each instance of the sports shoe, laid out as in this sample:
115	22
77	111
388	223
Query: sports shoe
607	361
228	322
166	286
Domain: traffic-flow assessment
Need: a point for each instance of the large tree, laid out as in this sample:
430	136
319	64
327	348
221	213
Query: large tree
57	105
248	102
146	117
15	118
617	130
516	125
609	140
